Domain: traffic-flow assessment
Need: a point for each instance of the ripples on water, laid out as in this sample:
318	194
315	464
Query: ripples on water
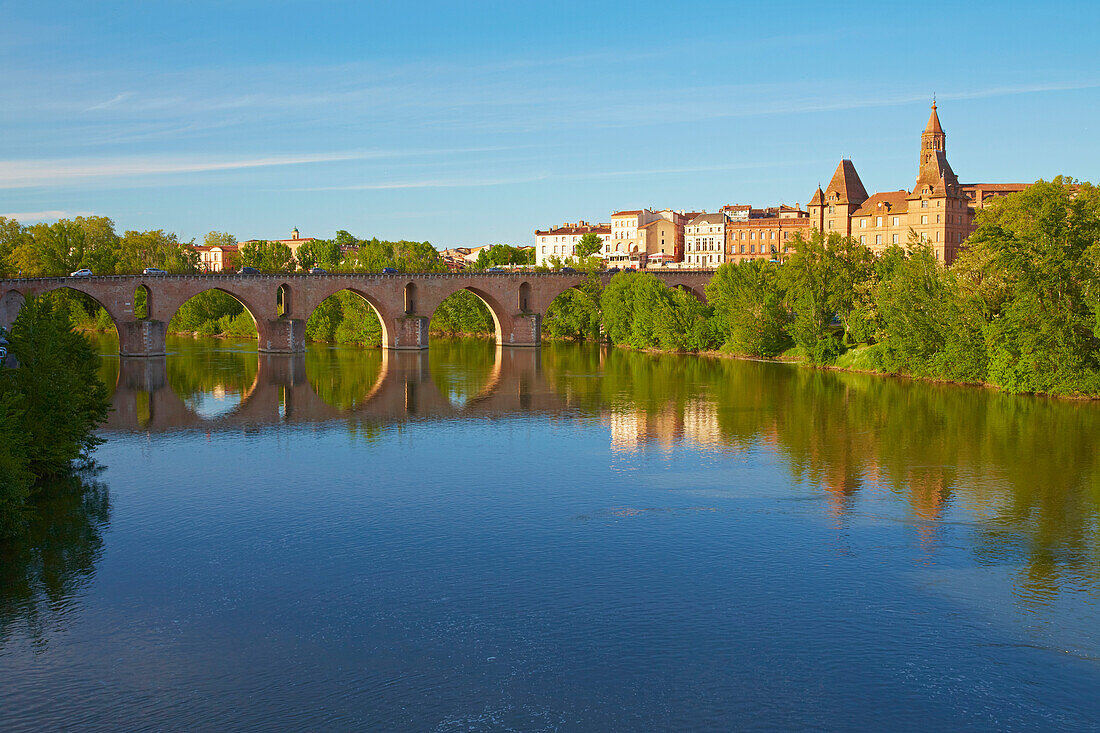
562	539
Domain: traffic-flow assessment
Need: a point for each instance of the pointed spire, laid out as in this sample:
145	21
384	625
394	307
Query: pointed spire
846	183
933	120
818	198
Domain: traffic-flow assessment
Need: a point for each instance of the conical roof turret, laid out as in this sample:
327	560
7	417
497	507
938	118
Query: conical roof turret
933	121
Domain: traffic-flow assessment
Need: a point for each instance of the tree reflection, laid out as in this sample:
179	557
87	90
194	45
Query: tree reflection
43	571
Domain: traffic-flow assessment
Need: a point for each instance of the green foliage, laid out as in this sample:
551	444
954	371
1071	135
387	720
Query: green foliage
640	311
50	404
345	318
267	256
821	279
749	313
463	313
589	245
1033	267
575	314
71	244
211	313
323	253
503	254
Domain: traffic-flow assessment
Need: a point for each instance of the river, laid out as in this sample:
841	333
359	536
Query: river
570	538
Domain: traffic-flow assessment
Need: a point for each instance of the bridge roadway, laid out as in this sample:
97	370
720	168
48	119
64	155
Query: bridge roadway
281	393
281	304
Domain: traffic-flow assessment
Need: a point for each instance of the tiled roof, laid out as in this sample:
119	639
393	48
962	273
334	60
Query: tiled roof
588	229
627	213
709	219
933	121
818	198
897	201
846	182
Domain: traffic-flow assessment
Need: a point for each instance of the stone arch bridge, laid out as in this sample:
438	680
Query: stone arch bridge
281	304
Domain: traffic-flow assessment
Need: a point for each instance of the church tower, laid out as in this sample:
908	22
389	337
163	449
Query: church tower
933	140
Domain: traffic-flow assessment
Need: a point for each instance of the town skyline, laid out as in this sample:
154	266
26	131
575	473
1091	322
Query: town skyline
250	129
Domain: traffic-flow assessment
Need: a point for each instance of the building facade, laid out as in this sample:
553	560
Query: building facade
561	241
705	240
938	211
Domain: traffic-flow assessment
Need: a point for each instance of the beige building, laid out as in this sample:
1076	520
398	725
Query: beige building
938	210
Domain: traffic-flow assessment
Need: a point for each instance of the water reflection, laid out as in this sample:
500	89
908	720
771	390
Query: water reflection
1026	468
44	571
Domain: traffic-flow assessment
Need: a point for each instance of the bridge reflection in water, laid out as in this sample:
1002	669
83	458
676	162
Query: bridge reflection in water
395	386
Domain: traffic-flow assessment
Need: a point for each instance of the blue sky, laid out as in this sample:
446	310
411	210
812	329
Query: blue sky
470	123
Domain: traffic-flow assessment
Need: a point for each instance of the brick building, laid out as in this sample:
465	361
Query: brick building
765	235
938	210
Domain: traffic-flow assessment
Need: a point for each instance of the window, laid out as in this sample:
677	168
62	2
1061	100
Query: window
742	249
878	239
895	221
878	221
772	236
752	235
895	239
924	219
862	223
937	218
752	248
937	236
924	203
786	235
863	239
832	209
830	225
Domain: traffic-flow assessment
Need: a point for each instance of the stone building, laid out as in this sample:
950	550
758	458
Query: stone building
764	233
939	210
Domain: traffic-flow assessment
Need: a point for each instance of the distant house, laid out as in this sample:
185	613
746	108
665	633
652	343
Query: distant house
218	257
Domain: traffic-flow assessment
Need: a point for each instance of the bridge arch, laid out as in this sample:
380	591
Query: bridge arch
173	309
142	301
379	310
116	319
10	305
283	301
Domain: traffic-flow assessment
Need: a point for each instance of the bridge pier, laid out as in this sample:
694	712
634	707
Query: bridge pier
142	338
525	330
406	332
282	335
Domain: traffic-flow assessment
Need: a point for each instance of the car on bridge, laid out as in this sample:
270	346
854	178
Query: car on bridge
153	271
389	270
318	271
248	271
82	272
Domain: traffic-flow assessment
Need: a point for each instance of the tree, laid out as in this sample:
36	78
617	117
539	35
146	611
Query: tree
219	239
749	313
821	279
11	237
157	248
589	245
1033	267
62	398
267	256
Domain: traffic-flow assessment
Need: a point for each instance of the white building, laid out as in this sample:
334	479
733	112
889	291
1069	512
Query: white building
705	241
561	241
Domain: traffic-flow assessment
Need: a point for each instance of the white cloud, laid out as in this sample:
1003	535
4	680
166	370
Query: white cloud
32	216
66	172
111	102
